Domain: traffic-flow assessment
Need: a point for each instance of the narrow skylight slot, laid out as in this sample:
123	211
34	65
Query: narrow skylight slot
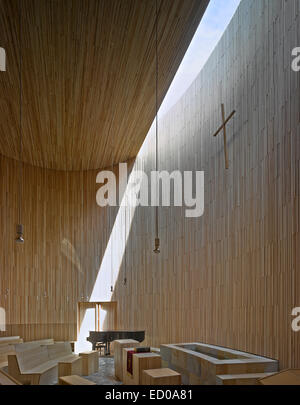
210	30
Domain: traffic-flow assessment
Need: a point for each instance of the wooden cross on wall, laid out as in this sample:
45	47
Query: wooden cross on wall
223	126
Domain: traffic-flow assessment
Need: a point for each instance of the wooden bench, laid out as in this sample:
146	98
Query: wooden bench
10	340
7	347
42	342
68	363
5	350
38	365
6	379
74	380
31	365
90	362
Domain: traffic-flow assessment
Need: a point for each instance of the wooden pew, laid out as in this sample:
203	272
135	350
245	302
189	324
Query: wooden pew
42	342
68	363
6	379
31	365
5	350
7	347
11	340
38	365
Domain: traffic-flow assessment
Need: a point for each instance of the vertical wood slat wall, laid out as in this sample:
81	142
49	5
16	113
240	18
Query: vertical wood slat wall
230	277
42	281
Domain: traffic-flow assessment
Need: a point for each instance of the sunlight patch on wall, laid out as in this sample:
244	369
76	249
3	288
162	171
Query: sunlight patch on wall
112	262
87	324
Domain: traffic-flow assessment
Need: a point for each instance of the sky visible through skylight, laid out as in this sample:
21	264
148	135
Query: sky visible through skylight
211	28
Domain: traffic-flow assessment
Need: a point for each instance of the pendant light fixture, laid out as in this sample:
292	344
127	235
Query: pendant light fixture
20	229
157	241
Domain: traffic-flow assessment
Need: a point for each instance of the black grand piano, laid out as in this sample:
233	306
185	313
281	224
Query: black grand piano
105	338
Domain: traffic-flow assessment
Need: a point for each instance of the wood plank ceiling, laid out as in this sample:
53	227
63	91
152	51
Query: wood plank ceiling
88	76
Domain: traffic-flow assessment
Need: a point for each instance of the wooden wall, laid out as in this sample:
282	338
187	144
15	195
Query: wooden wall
65	234
230	277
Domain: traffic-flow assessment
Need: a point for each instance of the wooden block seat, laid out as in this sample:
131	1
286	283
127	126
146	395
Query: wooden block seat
161	376
74	380
90	362
119	345
140	362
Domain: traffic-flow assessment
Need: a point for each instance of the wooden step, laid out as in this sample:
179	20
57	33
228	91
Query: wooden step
74	380
240	379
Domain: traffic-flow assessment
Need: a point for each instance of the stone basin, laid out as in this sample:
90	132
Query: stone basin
201	363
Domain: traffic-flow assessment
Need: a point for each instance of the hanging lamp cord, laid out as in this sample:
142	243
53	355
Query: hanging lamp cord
21	102
125	252
156	108
112	234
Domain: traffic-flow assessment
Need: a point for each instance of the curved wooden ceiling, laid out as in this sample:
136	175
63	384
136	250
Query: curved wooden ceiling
88	76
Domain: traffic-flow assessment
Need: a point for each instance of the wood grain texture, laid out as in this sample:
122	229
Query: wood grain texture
88	76
74	380
6	379
90	362
231	277
42	281
161	376
119	345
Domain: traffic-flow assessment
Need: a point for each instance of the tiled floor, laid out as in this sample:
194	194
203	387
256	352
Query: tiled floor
106	373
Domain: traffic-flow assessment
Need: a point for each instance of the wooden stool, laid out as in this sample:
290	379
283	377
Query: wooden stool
100	347
140	362
119	345
70	366
74	380
161	376
90	362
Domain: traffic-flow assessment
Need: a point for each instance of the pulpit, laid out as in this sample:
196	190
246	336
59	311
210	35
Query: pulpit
140	362
119	345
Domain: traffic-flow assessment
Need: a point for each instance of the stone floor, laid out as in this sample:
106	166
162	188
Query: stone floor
106	373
